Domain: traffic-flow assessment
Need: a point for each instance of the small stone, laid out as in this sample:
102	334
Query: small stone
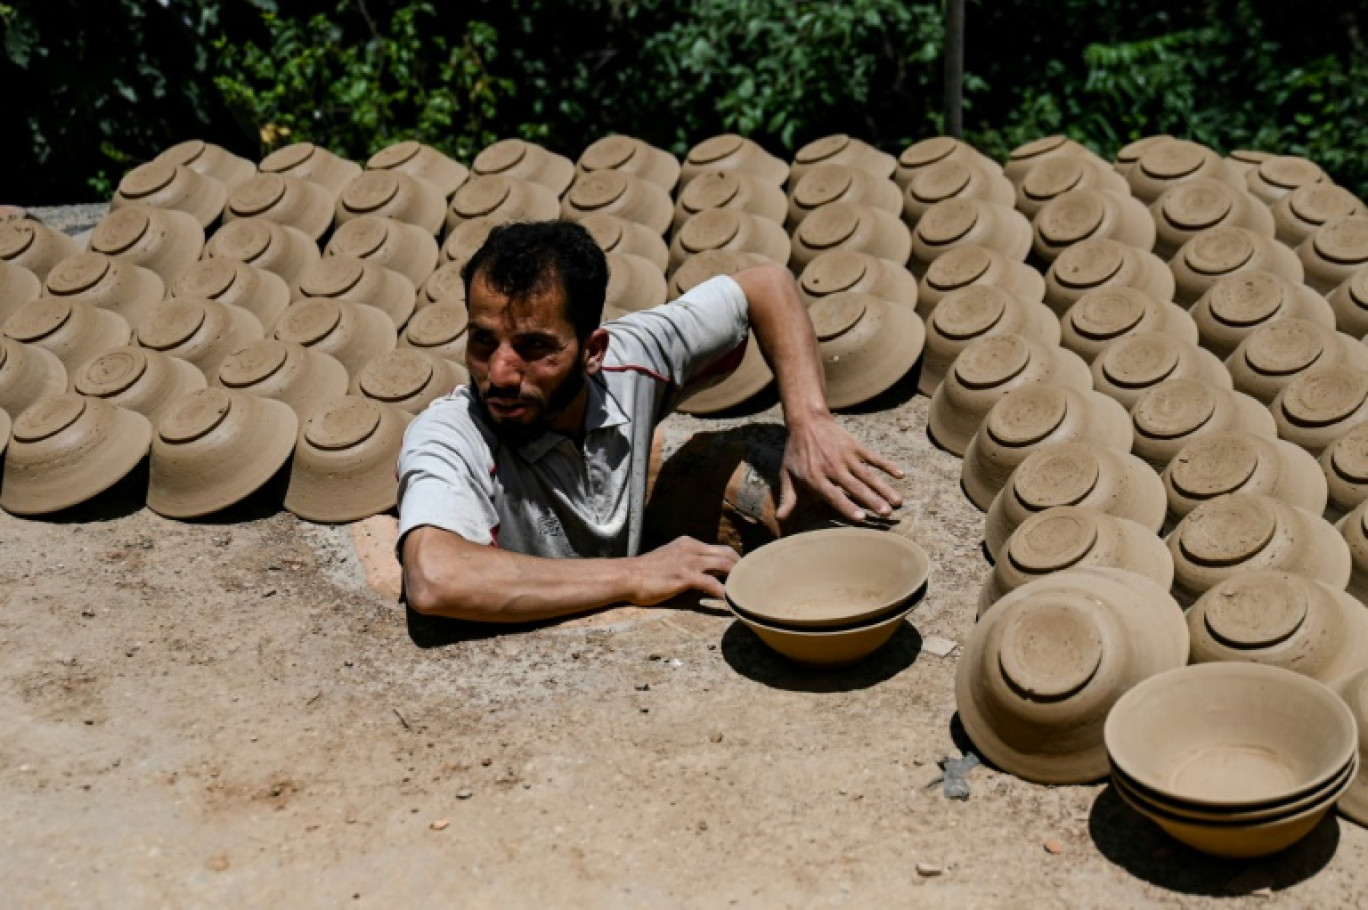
937	646
702	826
221	540
1053	847
929	870
645	710
465	793
88	722
146	543
574	655
440	824
486	762
643	687
269	592
716	737
653	656
216	863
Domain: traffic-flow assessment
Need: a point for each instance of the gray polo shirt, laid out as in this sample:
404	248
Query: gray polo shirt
551	496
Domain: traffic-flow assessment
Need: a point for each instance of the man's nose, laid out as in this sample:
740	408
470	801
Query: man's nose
505	367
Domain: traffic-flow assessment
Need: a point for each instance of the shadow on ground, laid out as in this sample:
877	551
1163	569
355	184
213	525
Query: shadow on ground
752	658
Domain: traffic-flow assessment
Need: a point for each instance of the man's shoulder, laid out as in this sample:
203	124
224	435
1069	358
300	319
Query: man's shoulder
453	421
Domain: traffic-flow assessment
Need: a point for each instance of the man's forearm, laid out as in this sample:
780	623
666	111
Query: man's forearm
782	327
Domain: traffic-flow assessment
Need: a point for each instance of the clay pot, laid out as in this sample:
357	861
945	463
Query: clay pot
730	152
615	235
1242	161
1278	619
1233	308
843	151
1068	537
1320	405
1029	419
1297	215
1041	670
211	160
1075	474
1167	164
439	330
1344	463
1023	158
970	265
138	380
958	223
749	379
300	377
516	159
360	281
830	183
501	199
163	241
636	284
1354	691
985	371
69	449
631	156
72	330
1231	535
1278	175
616	193
1102	317
199	330
466	238
445	284
730	190
928	152
1103	263
697	269
343	461
408	379
1334	252
163	185
866	344
975	312
1194	206
1221	252
1173	413
422	162
284	251
28	374
1131	152
392	194
732	229
1125	369
1056	176
106	282
19	286
954	179
1239	462
292	201
214	448
399	247
1080	215
844	225
1273	354
34	246
317	165
353	333
229	281
838	271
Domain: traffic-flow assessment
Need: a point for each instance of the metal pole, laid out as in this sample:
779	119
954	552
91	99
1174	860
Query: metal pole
954	68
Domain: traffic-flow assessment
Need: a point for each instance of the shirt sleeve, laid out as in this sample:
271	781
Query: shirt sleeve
445	477
683	338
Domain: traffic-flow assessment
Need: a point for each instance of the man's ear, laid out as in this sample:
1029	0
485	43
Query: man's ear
593	350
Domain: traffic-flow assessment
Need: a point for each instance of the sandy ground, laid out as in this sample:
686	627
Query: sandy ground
225	715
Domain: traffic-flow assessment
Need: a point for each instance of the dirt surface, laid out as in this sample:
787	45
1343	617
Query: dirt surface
225	715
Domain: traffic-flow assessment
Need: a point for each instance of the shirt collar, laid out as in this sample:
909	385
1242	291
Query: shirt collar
602	411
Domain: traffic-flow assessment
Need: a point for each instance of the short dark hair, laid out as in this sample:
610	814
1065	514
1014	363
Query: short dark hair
524	258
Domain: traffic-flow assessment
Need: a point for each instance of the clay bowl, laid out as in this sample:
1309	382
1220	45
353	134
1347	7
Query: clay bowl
108	283
28	374
1297	215
359	281
1320	405
1242	161
1221	252
1194	206
750	377
1100	263
163	241
1056	176
199	330
633	284
1023	158
399	247
1349	304
516	159
1278	175
1235	307
444	284
1043	667
839	271
466	238
439	330
730	190
615	235
1080	215
1173	413
844	225
408	379
291	201
1075	474
1130	153
631	156
866	344
1233	534
235	283
276	248
730	152
1334	252
1240	462
1130	366
1273	354
353	333
19	286
985	371
1354	691
841	150
298	376
929	152
163	185
954	179
1344	464
1279	619
213	161
72	330
1068	537
317	165
422	162
733	229
501	199
214	448
1105	316
1353	528
344	460
970	265
69	449
828	183
1167	164
826	649
978	311
34	246
697	269
392	194
137	379
958	223
1033	417
616	193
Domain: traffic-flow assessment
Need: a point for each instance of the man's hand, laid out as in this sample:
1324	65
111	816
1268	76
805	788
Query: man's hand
823	458
683	564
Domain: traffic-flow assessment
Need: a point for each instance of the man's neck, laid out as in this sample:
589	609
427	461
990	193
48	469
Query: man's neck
569	421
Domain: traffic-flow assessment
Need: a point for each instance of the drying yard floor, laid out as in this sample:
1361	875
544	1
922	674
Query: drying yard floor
225	715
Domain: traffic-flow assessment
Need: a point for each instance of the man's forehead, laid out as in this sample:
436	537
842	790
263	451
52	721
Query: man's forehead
543	311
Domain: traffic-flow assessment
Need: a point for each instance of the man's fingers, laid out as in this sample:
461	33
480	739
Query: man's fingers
787	496
887	465
711	586
876	482
861	494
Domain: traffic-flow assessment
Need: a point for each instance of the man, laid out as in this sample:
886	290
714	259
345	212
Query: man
544	454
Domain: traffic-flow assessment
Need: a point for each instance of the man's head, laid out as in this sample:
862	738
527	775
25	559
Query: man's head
535	295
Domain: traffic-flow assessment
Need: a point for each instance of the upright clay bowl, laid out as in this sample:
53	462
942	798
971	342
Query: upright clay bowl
1354	691
1241	462
1101	317
138	380
344	461
973	312
866	344
971	265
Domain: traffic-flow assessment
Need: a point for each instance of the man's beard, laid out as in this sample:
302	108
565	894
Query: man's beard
517	434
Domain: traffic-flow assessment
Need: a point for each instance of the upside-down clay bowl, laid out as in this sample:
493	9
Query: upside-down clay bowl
1054	177
830	183
1101	262
392	194
730	152
1278	175
298	376
1171	414
353	333
748	379
1130	153
1275	353
617	235
1231	309
846	225
28	374
1297	215
1167	164
1080	215
34	246
1221	252
235	283
954	179
163	185
634	284
973	312
292	201
359	281
1353	690
409	379
1334	252
1344	464
970	265
1353	528
845	151
344	459
1349	304
19	286
1023	158
518	159
439	329
199	330
399	247
1128	367
843	270
1194	206
107	283
866	345
211	160
1241	462
501	199
277	248
1320	405
631	156
465	239
616	193
716	229
163	241
317	165
730	190
421	161
137	379
962	222
72	330
933	150
1110	314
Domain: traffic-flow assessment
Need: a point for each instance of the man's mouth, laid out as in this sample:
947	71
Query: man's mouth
509	408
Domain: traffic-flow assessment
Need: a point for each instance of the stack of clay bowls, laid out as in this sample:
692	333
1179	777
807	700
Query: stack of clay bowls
1233	759
965	266
1195	206
1234	307
978	311
1105	316
1128	367
1242	462
1094	264
828	598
